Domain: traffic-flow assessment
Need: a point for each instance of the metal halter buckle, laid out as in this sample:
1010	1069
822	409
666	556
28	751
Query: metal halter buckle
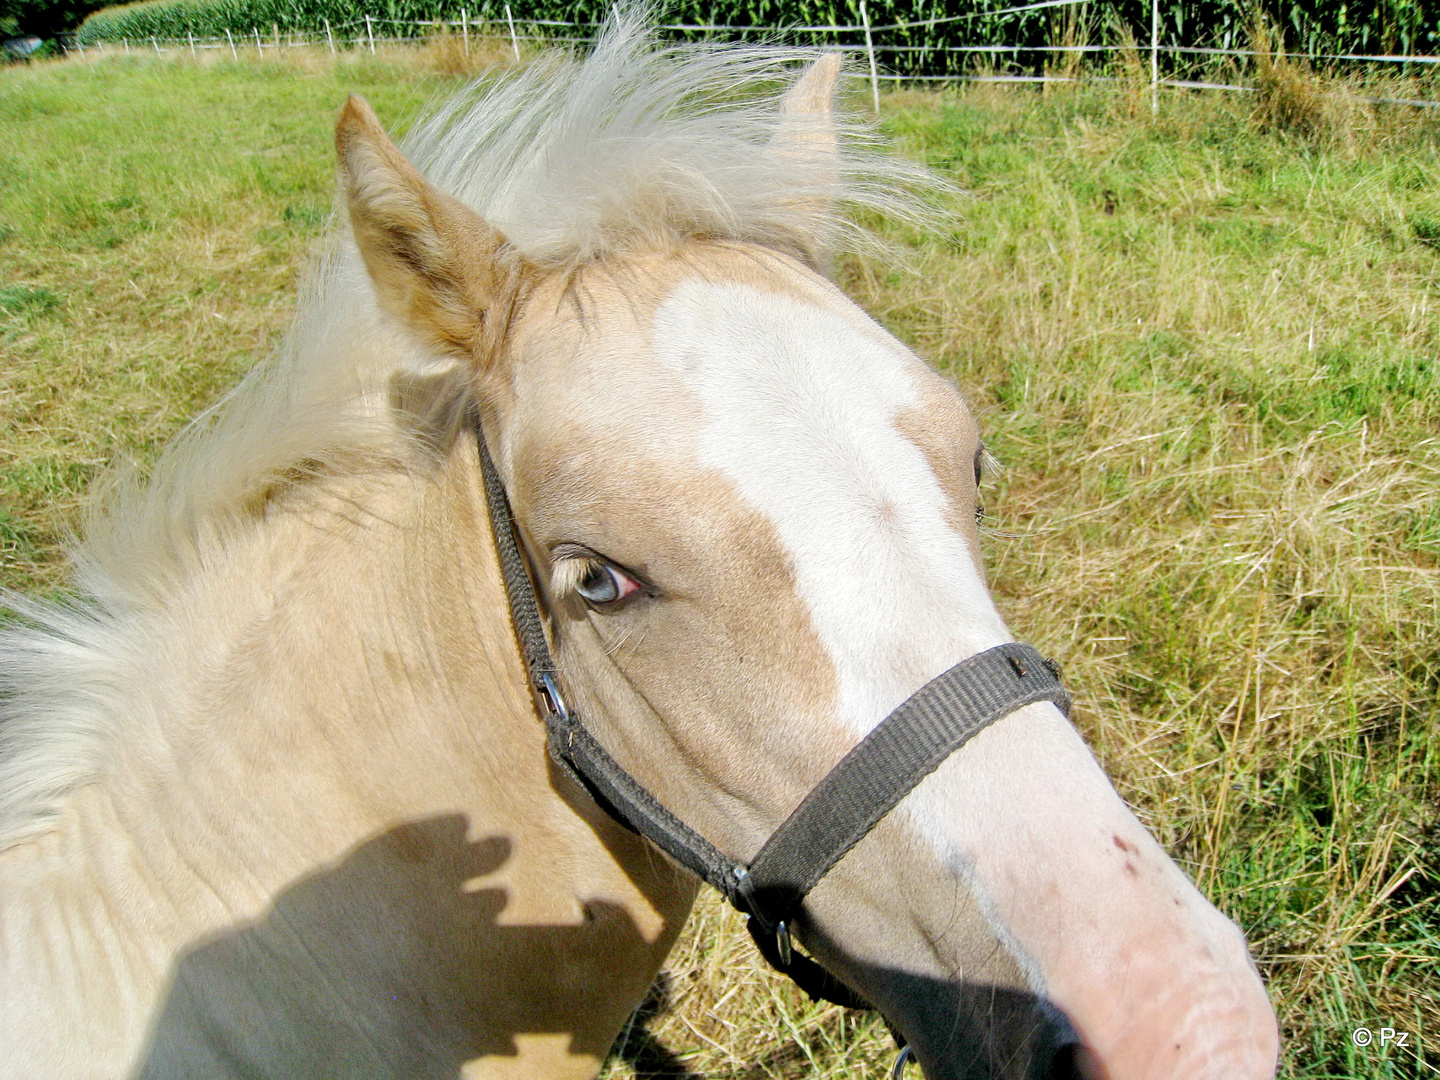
782	943
899	1070
549	697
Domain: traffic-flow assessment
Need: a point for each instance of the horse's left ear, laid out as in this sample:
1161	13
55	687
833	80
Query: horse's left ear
807	131
437	266
807	111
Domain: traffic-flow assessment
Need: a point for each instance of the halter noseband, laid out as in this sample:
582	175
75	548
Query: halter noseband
869	781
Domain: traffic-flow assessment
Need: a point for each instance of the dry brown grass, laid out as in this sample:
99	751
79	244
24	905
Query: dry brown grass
444	52
455	56
1071	29
718	1012
1132	74
1291	98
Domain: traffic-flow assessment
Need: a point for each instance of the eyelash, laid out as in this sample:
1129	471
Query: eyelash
599	582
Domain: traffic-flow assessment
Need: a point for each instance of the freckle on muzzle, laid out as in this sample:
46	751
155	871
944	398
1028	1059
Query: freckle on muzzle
970	1031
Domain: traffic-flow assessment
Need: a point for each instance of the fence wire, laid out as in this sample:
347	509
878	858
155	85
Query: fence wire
889	61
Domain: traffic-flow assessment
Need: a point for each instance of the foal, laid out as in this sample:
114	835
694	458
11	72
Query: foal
278	803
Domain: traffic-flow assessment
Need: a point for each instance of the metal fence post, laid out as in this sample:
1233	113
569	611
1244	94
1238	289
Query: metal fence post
156	44
259	49
370	34
870	52
465	29
514	44
233	54
329	37
191	35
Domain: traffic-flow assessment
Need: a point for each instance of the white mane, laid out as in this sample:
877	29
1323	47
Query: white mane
637	147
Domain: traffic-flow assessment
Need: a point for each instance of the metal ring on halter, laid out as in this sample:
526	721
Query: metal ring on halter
782	943
549	696
899	1070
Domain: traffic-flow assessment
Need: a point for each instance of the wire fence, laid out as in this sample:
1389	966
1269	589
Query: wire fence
888	61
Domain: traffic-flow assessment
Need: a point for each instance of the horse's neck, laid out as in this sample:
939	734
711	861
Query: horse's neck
341	741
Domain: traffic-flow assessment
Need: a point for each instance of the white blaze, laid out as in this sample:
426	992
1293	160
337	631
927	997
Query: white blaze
801	404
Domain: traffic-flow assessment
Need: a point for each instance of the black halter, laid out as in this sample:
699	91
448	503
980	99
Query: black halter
869	781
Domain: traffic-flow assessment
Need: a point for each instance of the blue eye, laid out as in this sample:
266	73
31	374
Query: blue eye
605	583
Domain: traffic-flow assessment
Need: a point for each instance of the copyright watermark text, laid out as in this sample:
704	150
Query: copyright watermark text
1363	1036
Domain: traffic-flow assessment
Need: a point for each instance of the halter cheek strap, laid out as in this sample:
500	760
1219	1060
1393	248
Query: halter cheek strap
884	767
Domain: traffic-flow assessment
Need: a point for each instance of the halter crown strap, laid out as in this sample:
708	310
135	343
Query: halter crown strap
524	612
867	784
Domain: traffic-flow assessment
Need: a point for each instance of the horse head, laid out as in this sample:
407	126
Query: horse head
751	514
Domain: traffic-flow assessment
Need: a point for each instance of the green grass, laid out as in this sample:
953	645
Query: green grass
154	219
1204	348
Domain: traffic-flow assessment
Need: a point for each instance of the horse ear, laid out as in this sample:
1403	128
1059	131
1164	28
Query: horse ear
807	112
440	269
807	131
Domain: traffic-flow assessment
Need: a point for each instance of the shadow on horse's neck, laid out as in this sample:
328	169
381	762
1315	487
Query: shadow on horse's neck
346	673
372	1016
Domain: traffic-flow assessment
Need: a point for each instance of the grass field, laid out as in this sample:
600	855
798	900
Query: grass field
1204	345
